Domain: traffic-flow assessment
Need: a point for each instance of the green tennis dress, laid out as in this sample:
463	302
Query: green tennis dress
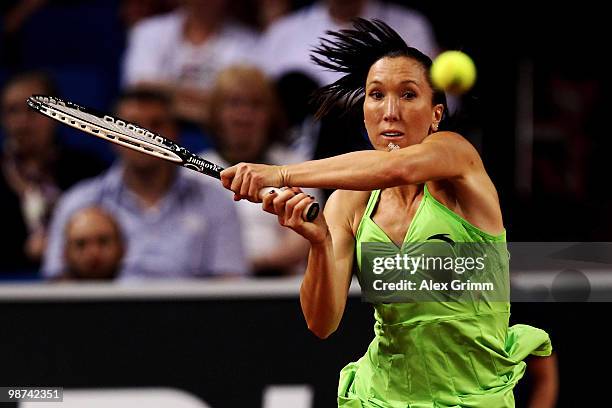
439	354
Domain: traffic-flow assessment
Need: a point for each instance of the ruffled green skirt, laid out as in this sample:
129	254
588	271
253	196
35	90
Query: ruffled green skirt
467	361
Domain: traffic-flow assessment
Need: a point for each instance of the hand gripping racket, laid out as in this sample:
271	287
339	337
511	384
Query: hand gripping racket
134	137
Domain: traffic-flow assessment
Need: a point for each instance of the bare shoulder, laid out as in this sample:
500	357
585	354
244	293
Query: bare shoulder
346	208
447	136
472	195
459	144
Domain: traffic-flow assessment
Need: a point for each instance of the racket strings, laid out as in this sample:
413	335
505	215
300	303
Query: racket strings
109	123
120	132
132	135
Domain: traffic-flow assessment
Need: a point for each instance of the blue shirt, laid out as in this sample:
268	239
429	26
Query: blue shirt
193	231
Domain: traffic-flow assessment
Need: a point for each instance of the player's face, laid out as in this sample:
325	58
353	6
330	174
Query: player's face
26	130
398	103
151	115
93	246
244	120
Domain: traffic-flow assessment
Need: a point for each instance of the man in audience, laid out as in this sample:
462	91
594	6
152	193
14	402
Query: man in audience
175	226
93	246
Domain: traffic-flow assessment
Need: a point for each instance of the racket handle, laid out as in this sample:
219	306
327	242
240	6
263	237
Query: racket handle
310	213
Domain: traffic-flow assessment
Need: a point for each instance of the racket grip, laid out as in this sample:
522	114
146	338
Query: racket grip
310	213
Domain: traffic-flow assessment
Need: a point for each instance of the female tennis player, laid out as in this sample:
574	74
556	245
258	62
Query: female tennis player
418	182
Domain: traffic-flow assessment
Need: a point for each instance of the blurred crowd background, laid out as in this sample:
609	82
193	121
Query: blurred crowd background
231	80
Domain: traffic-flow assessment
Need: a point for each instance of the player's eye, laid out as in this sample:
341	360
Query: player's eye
376	95
409	95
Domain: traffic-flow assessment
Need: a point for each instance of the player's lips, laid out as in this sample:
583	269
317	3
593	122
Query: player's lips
391	134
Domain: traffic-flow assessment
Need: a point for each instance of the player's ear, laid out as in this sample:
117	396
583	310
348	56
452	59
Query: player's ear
438	111
436	116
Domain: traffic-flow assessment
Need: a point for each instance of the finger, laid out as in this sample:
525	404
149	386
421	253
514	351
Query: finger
254	189
238	197
279	202
267	202
227	176
291	203
236	182
298	210
244	187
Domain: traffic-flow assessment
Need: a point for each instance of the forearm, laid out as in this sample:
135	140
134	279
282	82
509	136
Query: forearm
362	170
322	294
444	155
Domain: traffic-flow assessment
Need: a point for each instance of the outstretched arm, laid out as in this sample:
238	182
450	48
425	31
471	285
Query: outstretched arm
443	155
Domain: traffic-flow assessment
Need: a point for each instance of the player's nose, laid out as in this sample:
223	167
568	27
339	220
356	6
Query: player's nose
391	108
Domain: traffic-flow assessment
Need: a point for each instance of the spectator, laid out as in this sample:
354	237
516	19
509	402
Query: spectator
286	45
246	120
34	170
93	246
175	226
182	51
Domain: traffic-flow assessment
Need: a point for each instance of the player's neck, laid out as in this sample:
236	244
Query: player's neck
405	194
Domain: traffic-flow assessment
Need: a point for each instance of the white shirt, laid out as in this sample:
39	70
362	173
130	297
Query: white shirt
192	232
157	52
286	45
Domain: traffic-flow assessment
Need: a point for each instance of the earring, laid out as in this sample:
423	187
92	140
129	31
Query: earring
434	127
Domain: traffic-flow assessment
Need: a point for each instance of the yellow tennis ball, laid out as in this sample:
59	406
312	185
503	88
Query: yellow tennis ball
453	72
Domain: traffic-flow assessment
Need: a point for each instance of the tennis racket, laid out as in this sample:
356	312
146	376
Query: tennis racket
134	137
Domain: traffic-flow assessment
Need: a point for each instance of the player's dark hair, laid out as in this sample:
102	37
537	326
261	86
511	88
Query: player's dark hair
353	52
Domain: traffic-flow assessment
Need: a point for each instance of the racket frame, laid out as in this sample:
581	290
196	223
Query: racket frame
144	140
